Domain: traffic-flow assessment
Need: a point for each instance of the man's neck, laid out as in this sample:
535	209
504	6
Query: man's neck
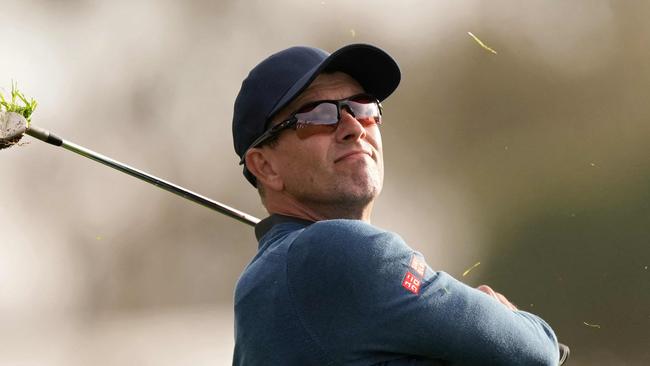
316	212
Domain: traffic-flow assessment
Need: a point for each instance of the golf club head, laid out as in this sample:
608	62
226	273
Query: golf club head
12	128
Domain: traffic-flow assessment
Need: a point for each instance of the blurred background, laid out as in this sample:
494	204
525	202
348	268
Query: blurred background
533	161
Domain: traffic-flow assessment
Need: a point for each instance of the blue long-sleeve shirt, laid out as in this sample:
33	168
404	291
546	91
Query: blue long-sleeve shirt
343	292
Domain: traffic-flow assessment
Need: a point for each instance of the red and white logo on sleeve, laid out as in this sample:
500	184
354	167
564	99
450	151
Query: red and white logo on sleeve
412	281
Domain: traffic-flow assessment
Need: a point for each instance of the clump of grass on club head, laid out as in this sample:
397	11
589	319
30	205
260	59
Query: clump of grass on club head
18	103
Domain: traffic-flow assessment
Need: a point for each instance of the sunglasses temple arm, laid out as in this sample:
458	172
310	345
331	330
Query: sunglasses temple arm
268	133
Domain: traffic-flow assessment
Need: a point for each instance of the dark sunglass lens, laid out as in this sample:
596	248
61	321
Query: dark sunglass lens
307	107
321	114
370	120
366	113
322	118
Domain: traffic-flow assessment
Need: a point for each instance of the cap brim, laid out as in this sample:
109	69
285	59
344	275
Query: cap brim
373	68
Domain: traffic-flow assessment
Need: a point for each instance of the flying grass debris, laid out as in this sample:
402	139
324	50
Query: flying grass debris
18	103
481	43
591	325
471	268
15	103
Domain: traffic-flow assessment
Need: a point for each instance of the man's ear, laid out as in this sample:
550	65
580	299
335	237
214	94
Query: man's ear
260	162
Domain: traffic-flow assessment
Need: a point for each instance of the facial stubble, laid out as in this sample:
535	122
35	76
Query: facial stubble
348	191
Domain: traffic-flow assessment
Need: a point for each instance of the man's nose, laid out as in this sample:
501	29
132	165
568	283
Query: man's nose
349	128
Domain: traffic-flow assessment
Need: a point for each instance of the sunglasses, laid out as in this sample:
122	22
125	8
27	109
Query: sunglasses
323	116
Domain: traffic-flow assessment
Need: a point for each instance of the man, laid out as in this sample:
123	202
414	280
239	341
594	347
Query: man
326	287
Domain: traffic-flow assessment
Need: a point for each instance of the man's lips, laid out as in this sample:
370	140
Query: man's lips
352	154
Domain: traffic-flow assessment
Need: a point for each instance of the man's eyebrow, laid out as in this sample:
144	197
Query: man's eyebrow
297	103
304	99
308	96
289	109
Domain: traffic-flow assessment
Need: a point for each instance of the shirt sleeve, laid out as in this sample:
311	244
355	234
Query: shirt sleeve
361	292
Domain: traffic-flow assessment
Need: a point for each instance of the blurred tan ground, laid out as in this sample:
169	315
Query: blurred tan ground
188	336
533	161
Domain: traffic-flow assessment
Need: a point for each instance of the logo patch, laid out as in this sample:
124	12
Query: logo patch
411	283
418	265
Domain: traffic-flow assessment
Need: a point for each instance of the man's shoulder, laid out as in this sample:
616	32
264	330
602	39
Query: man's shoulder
342	234
340	227
341	242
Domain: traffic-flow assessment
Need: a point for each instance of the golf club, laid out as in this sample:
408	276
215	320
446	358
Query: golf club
14	126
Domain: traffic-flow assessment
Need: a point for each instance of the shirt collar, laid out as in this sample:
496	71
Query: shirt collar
265	225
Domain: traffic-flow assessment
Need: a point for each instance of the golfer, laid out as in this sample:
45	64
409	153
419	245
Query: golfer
326	287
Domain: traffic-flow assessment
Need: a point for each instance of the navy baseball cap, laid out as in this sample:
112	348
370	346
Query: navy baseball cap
279	79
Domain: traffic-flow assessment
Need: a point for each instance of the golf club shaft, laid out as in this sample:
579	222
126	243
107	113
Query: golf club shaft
52	139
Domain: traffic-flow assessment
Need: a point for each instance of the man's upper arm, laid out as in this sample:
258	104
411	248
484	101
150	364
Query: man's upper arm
359	292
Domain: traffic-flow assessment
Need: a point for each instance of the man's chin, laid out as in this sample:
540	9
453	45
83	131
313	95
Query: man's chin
361	192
